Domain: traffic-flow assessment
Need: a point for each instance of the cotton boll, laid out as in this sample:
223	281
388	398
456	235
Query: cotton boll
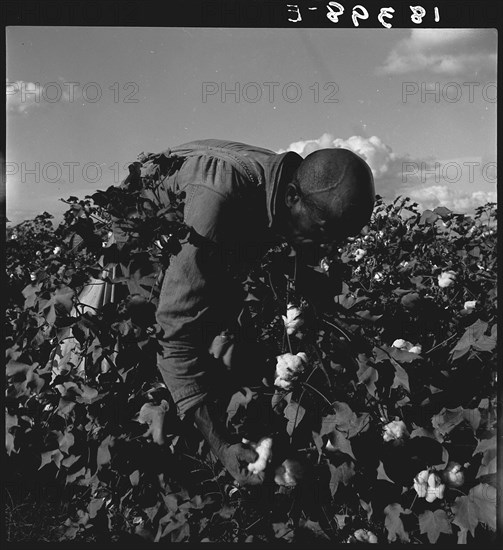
422	477
420	489
289	365
433	480
360	535
446	278
289	473
372	538
431	496
363	535
416	349
360	253
395	430
264	451
402	344
453	475
399	343
293	319
284	384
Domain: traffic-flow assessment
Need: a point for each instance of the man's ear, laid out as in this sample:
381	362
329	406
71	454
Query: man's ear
292	195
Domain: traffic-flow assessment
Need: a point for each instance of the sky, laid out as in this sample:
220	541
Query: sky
417	104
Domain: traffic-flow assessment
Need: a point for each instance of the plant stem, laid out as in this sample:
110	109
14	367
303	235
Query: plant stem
318	392
289	343
441	344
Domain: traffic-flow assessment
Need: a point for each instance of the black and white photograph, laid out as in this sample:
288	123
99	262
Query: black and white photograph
251	275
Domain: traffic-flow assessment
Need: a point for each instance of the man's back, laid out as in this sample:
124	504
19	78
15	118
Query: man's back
230	197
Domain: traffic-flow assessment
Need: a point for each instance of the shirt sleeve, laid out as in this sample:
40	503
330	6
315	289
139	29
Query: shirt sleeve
197	300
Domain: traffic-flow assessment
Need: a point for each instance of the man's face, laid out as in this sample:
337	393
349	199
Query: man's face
302	228
306	226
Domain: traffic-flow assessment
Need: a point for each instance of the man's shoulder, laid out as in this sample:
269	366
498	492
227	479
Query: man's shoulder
255	163
214	145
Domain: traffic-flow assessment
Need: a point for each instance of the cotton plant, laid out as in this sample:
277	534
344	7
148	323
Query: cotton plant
404	345
293	319
428	485
470	305
264	450
395	431
378	276
364	535
288	368
453	475
360	253
446	278
289	473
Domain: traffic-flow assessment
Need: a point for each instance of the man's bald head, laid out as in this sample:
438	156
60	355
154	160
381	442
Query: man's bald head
337	183
332	189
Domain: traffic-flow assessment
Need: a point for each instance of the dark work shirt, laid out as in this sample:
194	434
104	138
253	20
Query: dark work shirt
230	202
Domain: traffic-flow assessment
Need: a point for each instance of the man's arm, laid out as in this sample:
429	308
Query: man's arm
193	305
197	300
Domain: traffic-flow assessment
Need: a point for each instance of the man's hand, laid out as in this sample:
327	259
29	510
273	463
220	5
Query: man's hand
236	458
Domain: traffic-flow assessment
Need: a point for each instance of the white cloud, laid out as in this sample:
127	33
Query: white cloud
443	51
396	175
456	200
23	97
383	162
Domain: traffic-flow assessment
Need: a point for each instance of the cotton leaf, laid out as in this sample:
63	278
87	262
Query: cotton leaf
134	478
240	400
487	469
153	415
94	506
447	419
340	474
103	457
368	376
462	536
348	421
294	412
485	343
465	514
381	473
152	511
473	417
434	523
328	424
51	456
10	421
65	441
470	336
63	297
69	461
341	520
339	442
422	432
401	377
483	497
485	445
314	527
88	395
394	524
9	443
